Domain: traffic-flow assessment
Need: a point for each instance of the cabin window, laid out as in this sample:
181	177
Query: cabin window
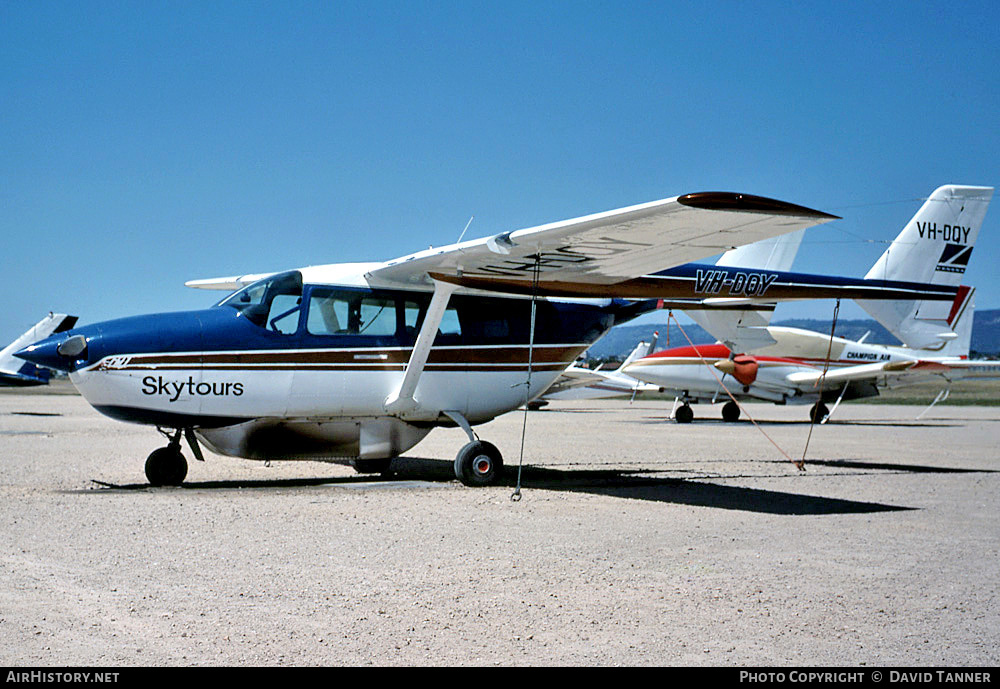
326	313
450	325
377	317
489	330
347	313
273	303
283	315
413	315
411	320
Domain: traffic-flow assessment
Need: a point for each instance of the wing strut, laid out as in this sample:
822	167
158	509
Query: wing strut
941	396
403	401
835	404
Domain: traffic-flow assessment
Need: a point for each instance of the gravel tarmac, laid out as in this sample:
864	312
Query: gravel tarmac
636	541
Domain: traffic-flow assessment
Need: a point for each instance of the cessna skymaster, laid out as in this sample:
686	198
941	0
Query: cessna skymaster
795	366
358	362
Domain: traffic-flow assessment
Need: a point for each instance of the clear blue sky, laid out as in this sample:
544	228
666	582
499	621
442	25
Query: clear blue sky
147	143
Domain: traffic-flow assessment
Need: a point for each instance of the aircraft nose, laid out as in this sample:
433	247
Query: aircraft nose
59	352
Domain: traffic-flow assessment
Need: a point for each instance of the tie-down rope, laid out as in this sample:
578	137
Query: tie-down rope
516	495
800	464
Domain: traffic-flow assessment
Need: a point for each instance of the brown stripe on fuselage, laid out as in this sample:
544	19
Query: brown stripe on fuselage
543	357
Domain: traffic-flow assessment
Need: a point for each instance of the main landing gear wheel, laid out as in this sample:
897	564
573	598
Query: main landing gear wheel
166	467
479	464
731	412
684	414
372	466
818	412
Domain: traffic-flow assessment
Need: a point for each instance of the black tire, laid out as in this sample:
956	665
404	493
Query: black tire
731	412
166	467
372	466
818	412
684	414
479	463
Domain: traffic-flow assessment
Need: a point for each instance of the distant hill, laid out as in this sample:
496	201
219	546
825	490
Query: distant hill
621	340
986	332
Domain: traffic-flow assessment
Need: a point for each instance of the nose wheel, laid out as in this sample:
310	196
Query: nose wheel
479	463
166	466
818	412
730	412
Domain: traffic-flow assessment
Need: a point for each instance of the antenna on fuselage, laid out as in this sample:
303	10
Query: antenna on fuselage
466	228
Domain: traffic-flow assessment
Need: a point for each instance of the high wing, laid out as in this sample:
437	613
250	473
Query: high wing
585	256
615	254
892	374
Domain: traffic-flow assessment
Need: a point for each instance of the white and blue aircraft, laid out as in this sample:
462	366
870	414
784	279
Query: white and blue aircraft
357	362
17	373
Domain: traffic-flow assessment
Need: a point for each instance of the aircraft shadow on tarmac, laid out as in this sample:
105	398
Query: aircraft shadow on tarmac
581	410
901	423
623	483
897	468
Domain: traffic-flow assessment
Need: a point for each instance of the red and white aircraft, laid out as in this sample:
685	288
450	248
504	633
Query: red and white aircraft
792	366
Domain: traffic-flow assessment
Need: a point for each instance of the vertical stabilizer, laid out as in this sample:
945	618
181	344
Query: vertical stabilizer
745	330
934	247
642	349
776	253
13	371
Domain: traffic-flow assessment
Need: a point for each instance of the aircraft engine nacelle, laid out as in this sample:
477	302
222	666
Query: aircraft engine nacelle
743	368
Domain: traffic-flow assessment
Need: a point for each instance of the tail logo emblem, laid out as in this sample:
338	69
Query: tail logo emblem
954	258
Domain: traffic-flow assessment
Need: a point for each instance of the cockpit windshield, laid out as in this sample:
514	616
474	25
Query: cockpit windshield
273	303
